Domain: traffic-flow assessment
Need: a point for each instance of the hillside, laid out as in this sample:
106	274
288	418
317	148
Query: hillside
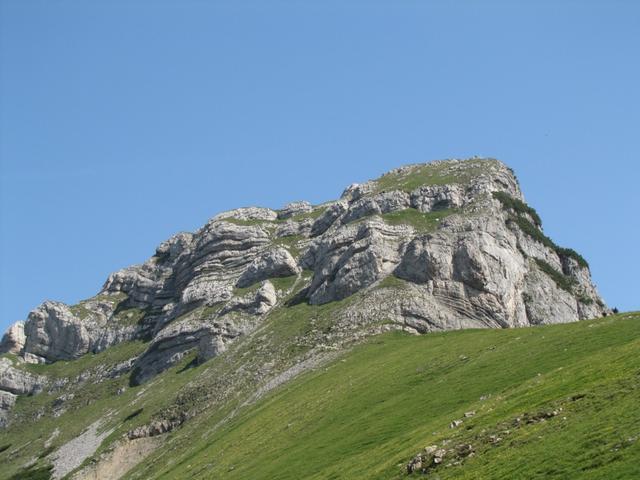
368	412
287	344
549	402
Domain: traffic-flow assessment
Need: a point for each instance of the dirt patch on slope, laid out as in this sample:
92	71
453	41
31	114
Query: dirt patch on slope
117	462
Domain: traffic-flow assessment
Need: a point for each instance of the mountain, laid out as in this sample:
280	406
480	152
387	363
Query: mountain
192	361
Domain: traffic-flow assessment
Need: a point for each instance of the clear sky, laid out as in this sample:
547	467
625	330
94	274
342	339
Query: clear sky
123	122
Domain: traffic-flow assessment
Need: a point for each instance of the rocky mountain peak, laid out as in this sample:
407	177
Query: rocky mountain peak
425	247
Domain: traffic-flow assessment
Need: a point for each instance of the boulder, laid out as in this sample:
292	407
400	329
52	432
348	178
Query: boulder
277	262
54	332
294	208
14	339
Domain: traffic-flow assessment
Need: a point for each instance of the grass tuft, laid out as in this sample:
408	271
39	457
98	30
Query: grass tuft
422	222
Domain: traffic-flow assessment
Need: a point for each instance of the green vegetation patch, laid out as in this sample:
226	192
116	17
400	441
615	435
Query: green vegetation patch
585	300
531	230
241	291
422	222
313	214
119	405
130	316
71	368
291	243
247	223
280	283
391	281
80	311
571	253
34	473
210	311
518	206
439	173
563	281
284	283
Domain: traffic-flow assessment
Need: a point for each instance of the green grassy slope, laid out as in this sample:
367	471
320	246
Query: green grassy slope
36	431
367	414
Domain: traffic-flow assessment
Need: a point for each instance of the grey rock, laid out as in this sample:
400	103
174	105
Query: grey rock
54	332
437	197
415	465
14	339
210	345
328	218
384	202
356	191
546	302
17	381
206	291
277	262
392	201
352	258
7	401
156	427
294	208
14	382
193	332
249	213
361	208
257	303
291	228
175	246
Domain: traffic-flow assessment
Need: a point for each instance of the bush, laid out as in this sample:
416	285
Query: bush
561	280
585	300
571	253
517	206
530	229
533	229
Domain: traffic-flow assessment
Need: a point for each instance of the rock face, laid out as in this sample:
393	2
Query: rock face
14	382
427	247
14	339
54	332
273	263
354	257
295	208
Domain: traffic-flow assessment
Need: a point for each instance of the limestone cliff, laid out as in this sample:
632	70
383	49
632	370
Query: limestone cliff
428	247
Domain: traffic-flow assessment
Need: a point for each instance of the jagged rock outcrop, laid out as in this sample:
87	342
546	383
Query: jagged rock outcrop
271	264
14	338
353	258
384	202
427	247
292	228
249	213
54	332
257	303
328	217
14	382
295	208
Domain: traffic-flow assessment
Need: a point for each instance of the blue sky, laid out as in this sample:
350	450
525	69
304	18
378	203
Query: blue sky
123	122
